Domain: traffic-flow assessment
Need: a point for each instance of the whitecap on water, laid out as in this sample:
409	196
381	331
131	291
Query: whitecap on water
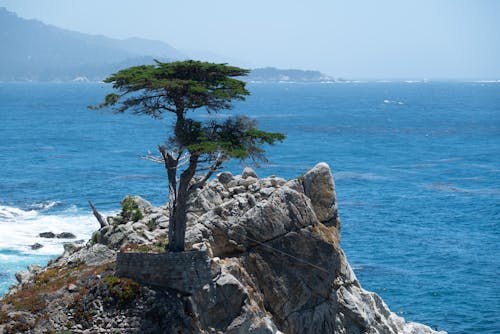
19	229
11	213
45	205
393	102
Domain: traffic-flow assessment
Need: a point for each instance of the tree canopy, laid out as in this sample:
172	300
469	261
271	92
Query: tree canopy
176	87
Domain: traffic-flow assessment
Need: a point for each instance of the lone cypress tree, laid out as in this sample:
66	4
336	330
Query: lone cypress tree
177	88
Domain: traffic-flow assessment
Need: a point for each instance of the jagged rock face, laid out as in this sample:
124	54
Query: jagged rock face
275	266
276	247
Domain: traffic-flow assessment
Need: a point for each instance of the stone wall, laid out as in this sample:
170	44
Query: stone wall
186	272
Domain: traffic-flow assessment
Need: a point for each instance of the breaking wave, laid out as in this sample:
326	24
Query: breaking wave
19	229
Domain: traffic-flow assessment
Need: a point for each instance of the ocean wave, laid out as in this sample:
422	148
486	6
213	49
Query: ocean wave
63	156
45	205
473	178
275	116
10	258
447	160
12	213
348	203
359	176
447	187
19	229
416	166
139	176
482	166
393	102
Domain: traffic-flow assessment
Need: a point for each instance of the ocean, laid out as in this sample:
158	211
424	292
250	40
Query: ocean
416	166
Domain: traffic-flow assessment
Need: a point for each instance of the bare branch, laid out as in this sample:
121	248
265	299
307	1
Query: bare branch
155	159
212	169
98	216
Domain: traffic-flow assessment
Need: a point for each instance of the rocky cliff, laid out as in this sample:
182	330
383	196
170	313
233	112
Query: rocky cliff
273	264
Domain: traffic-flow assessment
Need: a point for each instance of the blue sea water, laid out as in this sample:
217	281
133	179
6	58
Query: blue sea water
416	166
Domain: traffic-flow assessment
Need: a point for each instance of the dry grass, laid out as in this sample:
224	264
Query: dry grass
32	298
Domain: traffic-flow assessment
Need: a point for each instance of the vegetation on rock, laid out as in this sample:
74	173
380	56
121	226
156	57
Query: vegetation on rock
130	210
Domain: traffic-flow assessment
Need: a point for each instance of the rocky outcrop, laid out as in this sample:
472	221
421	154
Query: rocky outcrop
274	266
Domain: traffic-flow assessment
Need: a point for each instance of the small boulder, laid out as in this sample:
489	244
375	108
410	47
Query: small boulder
142	204
71	247
72	288
319	187
66	235
23	276
225	177
36	246
48	235
249	172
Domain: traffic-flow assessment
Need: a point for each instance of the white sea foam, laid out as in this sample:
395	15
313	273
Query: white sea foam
46	205
19	229
394	102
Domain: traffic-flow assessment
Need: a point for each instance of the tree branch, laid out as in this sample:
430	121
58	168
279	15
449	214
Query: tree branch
213	168
98	216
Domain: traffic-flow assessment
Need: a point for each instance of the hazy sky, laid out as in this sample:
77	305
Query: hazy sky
351	38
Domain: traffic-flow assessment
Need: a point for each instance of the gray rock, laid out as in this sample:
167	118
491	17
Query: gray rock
71	247
143	204
66	235
36	246
49	235
249	172
225	177
319	187
34	269
23	276
246	182
72	288
91	255
285	250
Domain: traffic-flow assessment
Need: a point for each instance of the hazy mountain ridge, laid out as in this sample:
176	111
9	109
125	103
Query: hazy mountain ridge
35	51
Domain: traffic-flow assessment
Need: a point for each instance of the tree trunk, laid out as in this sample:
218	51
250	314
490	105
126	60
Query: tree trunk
171	165
179	210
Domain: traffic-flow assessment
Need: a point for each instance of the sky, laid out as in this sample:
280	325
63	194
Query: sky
356	39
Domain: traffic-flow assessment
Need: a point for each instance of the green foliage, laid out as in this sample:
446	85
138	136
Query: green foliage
235	137
123	290
187	85
130	210
96	236
111	280
154	89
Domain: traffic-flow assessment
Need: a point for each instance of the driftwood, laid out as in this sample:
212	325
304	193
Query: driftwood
97	215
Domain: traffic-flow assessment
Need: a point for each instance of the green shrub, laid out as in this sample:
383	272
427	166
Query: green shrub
123	290
130	210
